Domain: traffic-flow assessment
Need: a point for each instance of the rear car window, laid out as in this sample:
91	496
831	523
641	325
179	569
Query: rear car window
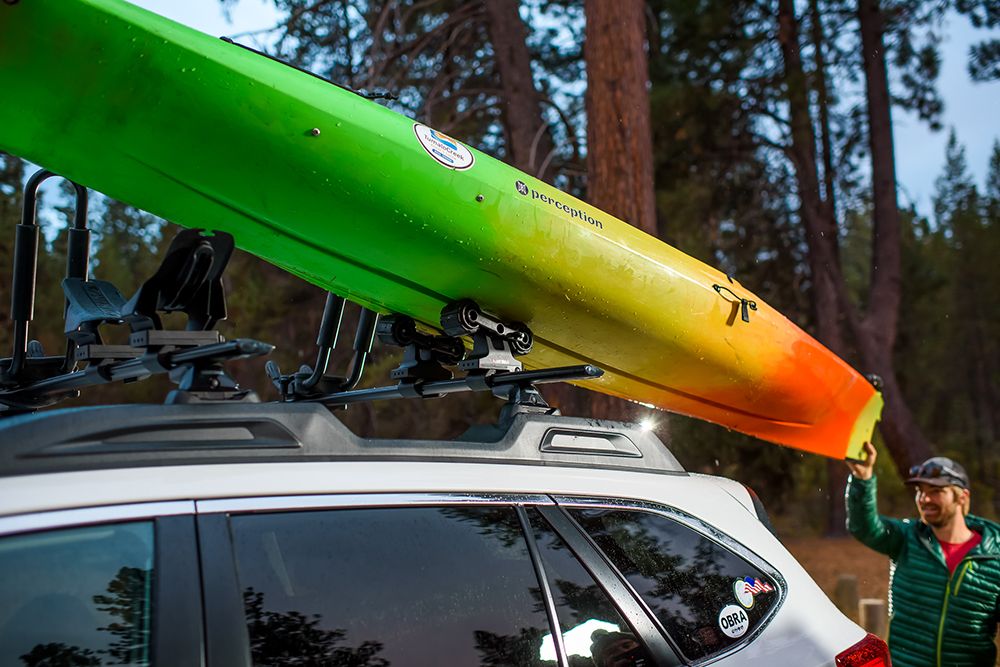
414	586
80	596
707	597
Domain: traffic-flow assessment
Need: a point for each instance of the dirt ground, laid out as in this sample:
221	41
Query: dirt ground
827	558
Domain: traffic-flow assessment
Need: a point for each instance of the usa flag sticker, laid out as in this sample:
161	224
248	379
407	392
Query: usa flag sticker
747	588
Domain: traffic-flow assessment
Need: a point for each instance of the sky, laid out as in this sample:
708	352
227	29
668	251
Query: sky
972	109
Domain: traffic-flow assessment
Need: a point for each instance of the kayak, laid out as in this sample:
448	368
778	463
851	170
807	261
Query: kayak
402	218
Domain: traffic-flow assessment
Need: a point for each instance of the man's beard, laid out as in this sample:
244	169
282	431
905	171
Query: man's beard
942	518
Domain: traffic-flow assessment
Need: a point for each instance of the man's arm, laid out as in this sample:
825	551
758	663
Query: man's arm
880	533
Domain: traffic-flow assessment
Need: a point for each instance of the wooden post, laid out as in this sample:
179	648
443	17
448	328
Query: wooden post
845	595
873	615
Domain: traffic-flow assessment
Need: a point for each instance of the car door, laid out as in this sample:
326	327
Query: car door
412	580
376	580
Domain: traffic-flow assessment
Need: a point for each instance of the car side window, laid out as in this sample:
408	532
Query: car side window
706	596
594	634
374	587
78	596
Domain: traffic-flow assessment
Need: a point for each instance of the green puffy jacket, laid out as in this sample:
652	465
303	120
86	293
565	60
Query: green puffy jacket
936	618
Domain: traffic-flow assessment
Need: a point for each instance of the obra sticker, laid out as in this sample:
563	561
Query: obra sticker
443	148
733	621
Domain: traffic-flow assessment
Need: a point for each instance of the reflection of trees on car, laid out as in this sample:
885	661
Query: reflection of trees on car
584	602
287	639
499	522
511	651
59	655
128	602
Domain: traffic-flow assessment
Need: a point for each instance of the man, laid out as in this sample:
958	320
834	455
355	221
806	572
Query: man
944	588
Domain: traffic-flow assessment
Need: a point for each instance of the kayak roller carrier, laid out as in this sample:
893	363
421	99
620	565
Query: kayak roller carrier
189	281
490	365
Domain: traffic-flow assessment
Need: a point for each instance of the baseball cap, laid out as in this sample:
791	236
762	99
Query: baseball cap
939	471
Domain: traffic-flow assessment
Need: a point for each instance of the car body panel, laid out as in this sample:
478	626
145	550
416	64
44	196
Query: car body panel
807	625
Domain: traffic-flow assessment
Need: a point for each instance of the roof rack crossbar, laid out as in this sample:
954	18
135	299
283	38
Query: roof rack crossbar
503	385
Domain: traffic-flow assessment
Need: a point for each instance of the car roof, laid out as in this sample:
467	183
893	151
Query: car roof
140	435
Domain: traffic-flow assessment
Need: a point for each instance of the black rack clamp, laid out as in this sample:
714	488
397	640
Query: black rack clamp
424	355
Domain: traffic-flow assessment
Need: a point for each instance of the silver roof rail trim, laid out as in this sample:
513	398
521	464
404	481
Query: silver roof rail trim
334	501
24	523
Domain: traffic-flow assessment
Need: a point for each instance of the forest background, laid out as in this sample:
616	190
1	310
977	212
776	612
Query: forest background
755	135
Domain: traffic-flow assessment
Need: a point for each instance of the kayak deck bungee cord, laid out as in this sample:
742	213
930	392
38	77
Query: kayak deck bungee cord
401	218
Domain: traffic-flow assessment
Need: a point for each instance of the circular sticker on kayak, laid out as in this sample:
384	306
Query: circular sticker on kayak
733	621
743	592
443	148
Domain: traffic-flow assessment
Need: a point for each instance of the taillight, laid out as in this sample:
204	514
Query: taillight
869	652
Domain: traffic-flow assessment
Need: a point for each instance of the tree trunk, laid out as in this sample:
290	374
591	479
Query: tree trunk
831	331
823	104
883	312
877	334
529	143
818	216
619	146
619	137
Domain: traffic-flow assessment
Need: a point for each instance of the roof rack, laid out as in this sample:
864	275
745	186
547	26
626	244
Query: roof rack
128	436
480	346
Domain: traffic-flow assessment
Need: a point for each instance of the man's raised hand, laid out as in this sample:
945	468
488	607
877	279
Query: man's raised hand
866	468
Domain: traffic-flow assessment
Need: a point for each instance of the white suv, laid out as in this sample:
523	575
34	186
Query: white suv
268	534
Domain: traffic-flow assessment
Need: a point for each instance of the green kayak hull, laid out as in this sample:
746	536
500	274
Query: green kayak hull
389	213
